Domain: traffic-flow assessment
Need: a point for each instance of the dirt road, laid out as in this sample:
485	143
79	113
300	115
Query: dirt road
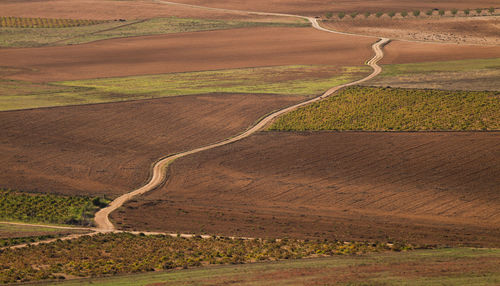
158	175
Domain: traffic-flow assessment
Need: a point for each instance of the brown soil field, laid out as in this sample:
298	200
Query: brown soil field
109	148
140	9
104	10
433	188
182	52
402	52
468	30
319	7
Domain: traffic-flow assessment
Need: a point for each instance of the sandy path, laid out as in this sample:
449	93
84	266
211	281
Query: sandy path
158	175
103	223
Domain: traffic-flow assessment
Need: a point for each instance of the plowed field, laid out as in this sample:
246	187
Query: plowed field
469	30
99	9
108	148
399	52
421	187
250	47
320	6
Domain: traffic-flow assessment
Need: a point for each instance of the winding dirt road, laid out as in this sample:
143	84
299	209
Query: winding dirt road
102	220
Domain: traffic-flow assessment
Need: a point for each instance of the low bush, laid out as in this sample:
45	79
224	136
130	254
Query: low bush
404	14
429	12
416	13
105	254
441	12
391	14
467	12
454	12
48	208
379	14
341	15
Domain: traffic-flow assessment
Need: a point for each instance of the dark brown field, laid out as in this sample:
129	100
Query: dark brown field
108	148
422	187
251	47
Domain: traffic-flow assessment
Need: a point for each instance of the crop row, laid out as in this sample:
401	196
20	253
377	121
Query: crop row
23	22
48	208
107	254
416	13
397	109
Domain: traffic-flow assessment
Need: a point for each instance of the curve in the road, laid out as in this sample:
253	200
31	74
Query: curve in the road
102	220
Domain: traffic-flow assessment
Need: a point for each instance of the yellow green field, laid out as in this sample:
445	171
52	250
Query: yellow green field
397	109
279	80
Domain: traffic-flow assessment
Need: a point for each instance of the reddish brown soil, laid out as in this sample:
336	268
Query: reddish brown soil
102	10
421	187
320	7
399	52
108	148
468	30
188	52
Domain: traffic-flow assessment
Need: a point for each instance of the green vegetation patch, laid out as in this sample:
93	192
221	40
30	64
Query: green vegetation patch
105	254
475	74
452	266
281	80
48	208
284	80
397	109
20	36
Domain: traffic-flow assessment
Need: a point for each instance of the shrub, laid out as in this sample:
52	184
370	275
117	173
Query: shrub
367	14
48	208
441	12
391	14
341	15
491	10
467	11
328	15
429	12
479	11
354	14
416	13
379	14
454	11
128	253
404	14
